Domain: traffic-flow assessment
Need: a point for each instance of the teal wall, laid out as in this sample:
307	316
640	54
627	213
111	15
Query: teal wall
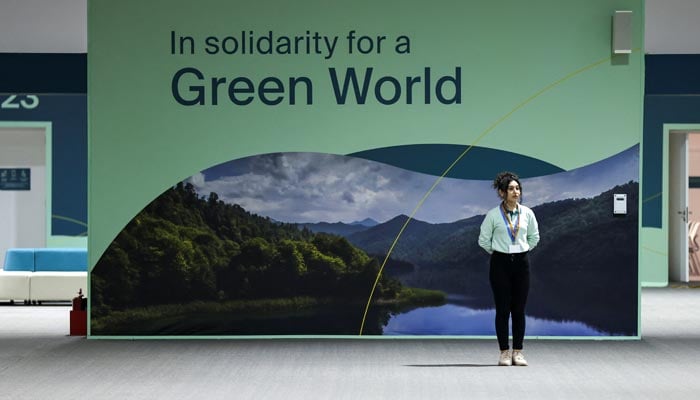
670	103
64	117
48	90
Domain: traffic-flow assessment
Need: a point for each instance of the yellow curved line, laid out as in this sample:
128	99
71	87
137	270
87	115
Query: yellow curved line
654	251
75	221
652	197
481	136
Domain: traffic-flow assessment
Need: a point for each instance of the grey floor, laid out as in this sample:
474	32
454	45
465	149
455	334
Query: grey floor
39	361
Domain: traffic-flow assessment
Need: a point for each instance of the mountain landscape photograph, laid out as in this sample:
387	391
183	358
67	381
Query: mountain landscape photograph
293	244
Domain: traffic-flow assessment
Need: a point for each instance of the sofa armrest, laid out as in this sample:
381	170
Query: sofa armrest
60	286
19	260
14	285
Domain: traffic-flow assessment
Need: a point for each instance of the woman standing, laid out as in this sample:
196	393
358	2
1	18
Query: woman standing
508	233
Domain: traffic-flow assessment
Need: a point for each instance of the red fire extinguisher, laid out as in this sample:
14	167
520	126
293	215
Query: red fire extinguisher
78	315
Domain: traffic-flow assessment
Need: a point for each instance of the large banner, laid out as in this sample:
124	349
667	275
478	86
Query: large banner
322	168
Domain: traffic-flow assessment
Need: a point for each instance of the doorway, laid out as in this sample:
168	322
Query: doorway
694	205
684	206
23	183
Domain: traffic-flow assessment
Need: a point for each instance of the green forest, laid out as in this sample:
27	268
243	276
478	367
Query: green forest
189	249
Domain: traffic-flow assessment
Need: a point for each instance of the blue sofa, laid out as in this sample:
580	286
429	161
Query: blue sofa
43	274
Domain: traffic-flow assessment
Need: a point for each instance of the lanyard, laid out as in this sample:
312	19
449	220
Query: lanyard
512	232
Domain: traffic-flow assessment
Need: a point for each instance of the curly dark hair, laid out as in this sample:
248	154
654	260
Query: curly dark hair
503	179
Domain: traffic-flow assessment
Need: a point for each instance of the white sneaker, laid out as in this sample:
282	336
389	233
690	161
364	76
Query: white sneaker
519	358
505	359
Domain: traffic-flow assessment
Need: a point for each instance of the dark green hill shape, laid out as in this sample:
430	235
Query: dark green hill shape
479	163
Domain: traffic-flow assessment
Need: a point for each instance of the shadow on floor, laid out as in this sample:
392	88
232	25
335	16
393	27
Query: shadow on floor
450	365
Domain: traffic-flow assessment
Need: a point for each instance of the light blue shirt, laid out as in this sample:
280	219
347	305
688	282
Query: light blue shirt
495	235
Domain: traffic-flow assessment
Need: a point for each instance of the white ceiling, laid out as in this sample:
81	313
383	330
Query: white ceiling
60	26
672	27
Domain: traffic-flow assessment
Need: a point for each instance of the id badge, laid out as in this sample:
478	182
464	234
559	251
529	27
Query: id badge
515	248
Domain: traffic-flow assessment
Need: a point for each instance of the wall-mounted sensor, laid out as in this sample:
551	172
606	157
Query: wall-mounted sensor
619	204
622	32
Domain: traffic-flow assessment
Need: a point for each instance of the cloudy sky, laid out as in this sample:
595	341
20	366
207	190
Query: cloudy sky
313	187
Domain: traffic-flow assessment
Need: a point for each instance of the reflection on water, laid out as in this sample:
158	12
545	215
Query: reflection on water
454	319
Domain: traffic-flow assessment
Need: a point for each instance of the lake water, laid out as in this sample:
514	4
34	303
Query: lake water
454	319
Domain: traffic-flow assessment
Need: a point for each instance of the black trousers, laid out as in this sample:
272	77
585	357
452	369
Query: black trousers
510	281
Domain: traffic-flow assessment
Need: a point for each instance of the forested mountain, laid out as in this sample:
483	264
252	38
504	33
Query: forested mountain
367	222
421	242
183	248
587	260
335	228
339	228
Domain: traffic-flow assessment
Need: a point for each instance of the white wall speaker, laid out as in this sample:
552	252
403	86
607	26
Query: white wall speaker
622	32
